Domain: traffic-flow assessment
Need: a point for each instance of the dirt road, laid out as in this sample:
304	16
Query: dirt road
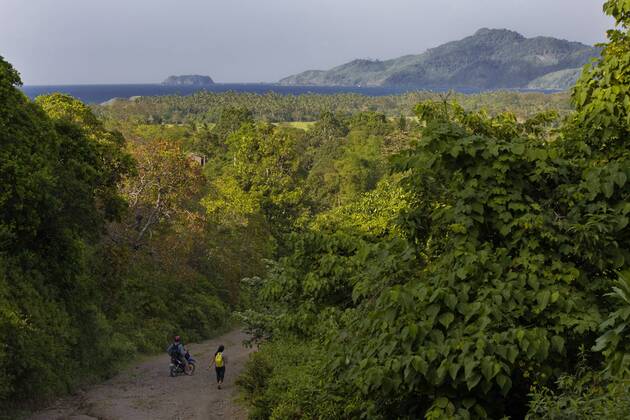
147	392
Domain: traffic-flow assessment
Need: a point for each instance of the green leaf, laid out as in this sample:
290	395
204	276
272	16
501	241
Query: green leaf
473	380
512	354
468	403
543	299
453	370
505	383
451	301
469	366
446	319
487	368
420	365
557	343
620	178
608	189
455	150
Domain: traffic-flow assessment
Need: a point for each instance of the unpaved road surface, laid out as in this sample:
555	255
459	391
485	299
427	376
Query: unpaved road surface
147	392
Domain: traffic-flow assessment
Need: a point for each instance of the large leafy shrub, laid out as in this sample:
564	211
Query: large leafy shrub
291	379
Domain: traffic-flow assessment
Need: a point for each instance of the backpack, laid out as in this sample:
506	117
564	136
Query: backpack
218	359
174	351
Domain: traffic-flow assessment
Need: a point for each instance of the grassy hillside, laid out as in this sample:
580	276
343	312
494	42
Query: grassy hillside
558	80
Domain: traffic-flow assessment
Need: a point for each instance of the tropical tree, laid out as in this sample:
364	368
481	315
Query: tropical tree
58	175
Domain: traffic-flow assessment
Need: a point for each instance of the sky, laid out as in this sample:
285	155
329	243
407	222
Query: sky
144	41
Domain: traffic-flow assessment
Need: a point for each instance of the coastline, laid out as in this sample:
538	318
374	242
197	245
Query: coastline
101	93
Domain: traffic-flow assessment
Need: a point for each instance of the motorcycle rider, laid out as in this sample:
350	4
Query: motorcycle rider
177	352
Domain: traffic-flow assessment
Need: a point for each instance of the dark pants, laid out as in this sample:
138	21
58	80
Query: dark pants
220	373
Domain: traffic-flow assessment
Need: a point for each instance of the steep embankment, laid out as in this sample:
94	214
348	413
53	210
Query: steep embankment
146	391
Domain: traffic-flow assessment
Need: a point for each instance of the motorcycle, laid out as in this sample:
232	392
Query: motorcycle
178	368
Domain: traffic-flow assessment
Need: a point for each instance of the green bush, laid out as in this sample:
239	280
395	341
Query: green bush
289	379
586	396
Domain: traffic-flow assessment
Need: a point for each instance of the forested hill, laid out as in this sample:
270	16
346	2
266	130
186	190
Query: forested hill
188	80
489	59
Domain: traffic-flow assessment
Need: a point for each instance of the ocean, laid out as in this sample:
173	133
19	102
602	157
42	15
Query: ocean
96	94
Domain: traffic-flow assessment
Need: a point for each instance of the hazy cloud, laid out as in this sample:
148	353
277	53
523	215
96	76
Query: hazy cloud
126	41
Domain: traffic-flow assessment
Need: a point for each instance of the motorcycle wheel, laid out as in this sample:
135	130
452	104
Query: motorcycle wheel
173	371
191	369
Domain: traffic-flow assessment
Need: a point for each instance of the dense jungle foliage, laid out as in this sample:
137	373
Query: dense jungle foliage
414	256
484	273
206	107
105	250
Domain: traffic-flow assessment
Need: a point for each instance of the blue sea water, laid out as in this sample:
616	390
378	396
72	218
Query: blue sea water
101	93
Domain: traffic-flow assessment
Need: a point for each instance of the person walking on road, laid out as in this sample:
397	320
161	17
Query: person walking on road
219	361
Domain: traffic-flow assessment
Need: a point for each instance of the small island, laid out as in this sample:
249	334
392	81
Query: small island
188	80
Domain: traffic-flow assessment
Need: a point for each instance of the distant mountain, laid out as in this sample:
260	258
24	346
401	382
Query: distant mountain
489	59
188	80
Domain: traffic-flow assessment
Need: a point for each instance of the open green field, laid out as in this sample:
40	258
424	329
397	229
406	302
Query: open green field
302	125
